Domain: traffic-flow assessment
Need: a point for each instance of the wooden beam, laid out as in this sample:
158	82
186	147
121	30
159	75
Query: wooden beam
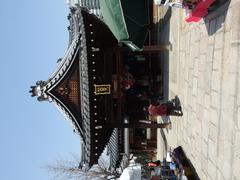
148	49
138	125
156	48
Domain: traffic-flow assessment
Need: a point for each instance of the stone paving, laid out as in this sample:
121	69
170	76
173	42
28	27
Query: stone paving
204	72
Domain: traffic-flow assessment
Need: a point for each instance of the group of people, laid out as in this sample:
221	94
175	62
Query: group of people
169	168
165	170
151	103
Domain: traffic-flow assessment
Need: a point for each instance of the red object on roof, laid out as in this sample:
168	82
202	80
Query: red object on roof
199	11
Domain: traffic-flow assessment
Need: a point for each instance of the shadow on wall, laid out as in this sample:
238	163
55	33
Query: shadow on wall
217	16
188	167
163	34
164	140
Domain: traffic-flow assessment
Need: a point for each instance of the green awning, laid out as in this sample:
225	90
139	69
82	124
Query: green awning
127	19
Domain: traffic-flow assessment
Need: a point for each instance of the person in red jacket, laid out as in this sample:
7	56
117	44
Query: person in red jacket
169	108
158	110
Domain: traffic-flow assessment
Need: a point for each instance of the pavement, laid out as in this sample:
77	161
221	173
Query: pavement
203	70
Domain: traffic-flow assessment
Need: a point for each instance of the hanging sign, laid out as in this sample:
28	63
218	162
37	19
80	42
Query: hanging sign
102	89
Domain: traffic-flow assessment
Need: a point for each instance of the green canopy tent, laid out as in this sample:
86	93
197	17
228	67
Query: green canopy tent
127	20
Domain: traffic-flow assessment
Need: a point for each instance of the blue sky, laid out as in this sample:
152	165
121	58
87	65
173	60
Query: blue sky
33	36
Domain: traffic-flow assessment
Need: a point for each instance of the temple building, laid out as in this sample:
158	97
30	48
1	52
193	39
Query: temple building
80	86
102	87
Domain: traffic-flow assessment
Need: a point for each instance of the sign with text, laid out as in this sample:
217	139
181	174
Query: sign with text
102	89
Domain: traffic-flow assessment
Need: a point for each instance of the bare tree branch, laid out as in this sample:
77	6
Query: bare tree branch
69	170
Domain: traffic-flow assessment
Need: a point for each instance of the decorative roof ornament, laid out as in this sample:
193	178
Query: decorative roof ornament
93	6
39	91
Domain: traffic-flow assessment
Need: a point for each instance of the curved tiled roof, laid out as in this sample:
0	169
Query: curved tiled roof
89	37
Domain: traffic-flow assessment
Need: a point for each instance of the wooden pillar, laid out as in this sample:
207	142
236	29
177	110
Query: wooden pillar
148	49
143	151
149	152
156	48
137	125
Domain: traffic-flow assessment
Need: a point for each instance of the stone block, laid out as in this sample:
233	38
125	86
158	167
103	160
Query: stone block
205	125
212	152
201	81
227	124
200	109
218	40
196	50
198	166
192	38
216	80
187	43
235	28
182	43
211	39
210	53
197	34
227	46
192	145
236	156
214	116
224	151
189	116
198	131
217	60
208	81
195	87
203	45
195	67
215	99
190	78
231	83
191	58
203	31
208	72
233	59
204	150
207	101
181	84
228	89
194	105
228	20
185	92
228	103
236	3
213	132
238	95
186	73
187	59
212	170
226	169
220	175
202	62
182	59
184	136
238	117
204	174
